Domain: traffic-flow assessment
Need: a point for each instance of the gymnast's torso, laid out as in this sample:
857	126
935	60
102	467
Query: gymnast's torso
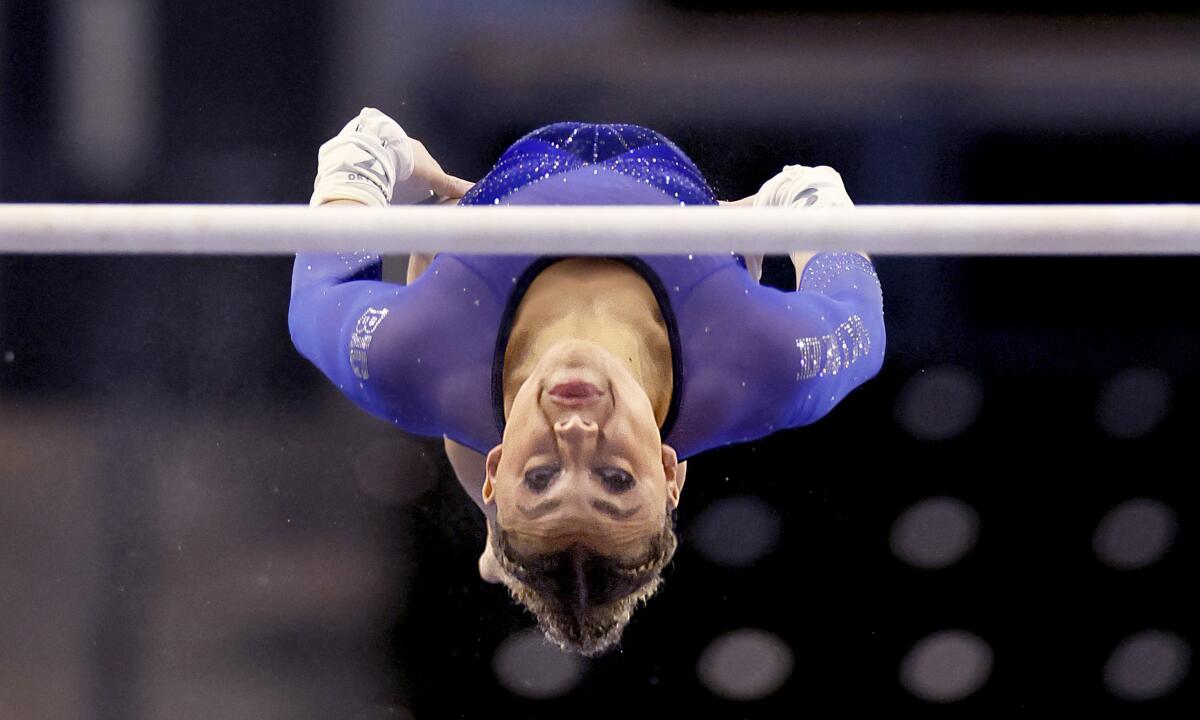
744	360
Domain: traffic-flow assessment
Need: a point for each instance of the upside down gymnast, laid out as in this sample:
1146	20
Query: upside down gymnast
571	390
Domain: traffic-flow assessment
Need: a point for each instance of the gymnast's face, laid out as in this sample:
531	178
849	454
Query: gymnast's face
583	464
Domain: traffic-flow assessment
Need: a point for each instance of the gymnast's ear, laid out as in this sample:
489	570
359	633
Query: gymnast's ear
675	473
491	467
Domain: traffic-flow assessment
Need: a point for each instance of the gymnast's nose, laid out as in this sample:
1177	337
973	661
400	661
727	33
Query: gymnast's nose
576	435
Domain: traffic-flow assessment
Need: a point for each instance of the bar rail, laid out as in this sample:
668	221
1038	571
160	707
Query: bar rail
601	230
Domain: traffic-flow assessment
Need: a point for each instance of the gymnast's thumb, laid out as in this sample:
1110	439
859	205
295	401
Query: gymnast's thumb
450	187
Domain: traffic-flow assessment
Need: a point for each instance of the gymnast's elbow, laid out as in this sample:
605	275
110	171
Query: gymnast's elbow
876	345
300	325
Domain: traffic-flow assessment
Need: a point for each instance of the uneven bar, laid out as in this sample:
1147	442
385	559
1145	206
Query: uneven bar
602	230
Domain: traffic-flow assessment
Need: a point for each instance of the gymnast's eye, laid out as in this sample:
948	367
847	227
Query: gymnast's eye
538	478
616	480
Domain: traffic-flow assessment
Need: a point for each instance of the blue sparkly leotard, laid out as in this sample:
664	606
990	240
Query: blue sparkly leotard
747	360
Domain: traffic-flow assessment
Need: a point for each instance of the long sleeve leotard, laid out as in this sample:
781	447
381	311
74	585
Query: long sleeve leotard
749	360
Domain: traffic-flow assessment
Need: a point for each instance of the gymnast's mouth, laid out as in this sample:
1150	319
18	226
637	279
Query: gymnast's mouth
575	393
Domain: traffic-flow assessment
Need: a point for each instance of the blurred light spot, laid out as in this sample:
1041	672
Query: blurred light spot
530	666
107	64
940	403
1147	665
1135	534
745	664
736	531
9	356
946	666
935	532
394	470
1134	402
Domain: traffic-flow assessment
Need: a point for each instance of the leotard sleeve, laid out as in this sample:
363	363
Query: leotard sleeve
370	338
831	328
835	339
764	359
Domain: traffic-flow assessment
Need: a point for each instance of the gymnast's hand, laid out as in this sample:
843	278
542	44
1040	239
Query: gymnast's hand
427	173
797	186
372	161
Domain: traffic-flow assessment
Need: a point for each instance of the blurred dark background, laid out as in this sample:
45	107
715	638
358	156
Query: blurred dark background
194	525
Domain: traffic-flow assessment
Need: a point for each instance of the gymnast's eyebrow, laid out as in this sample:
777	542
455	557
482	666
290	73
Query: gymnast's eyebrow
613	511
607	508
540	509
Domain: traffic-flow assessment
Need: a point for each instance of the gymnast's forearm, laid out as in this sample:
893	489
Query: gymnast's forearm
470	468
418	263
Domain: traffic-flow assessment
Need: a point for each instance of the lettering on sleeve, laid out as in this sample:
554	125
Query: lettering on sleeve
360	341
834	352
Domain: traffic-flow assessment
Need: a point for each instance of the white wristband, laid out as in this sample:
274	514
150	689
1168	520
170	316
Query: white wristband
800	186
363	162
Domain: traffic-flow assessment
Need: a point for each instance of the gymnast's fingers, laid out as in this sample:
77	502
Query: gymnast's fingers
449	186
430	172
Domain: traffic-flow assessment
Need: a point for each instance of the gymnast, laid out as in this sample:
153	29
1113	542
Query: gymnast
570	391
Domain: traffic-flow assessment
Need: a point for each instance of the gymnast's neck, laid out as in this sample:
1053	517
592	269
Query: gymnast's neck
599	300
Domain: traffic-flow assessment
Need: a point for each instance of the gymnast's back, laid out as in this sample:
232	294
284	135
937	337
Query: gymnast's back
747	360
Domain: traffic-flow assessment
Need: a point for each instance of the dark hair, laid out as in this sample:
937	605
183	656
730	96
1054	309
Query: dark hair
582	599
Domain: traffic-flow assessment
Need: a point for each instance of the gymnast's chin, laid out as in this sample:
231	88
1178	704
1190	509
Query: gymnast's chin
581	493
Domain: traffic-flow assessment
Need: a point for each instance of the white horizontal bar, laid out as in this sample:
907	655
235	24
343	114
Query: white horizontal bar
603	230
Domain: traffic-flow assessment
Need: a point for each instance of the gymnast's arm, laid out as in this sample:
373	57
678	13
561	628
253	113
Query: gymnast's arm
797	353
418	263
830	331
469	467
361	332
825	339
366	335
